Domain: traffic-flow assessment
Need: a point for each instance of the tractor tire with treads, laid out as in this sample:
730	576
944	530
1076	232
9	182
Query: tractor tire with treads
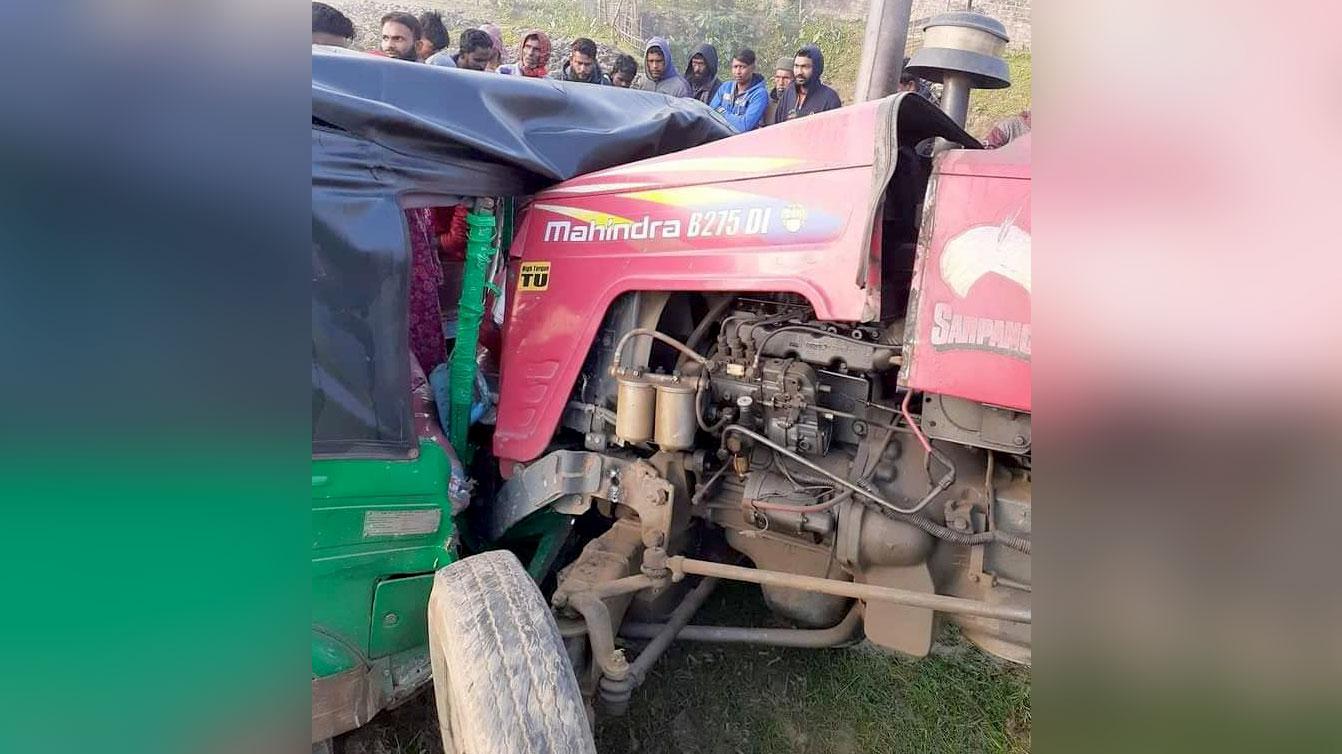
501	675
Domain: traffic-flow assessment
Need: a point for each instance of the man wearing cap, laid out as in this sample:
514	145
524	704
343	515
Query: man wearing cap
782	79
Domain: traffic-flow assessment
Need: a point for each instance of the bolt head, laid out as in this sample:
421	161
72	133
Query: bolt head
390	619
1019	439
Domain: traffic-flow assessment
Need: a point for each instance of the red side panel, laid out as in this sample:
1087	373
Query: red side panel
787	208
970	332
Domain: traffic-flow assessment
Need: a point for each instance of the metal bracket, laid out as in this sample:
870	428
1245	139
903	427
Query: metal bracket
576	474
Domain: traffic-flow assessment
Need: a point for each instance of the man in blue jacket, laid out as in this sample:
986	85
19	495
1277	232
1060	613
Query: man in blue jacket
807	95
743	99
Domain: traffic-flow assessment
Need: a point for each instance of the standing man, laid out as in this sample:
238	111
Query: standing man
807	95
533	56
782	81
659	72
432	48
330	26
400	35
495	36
702	73
743	100
624	72
581	65
477	50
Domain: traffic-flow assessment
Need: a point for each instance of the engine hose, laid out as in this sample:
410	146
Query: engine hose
701	330
667	339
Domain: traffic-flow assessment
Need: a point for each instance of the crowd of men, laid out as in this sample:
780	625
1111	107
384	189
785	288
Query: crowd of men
746	99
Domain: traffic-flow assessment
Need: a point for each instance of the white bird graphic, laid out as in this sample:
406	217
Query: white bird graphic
1003	249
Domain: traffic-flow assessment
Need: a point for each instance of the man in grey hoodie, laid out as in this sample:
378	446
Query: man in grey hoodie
659	71
702	72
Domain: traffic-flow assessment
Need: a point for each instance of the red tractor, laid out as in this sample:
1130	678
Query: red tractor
798	357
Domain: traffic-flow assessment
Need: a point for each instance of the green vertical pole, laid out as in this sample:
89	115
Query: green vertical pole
471	311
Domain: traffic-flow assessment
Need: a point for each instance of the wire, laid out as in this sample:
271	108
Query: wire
917	432
874	497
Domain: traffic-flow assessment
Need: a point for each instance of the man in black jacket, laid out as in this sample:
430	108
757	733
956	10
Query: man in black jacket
807	95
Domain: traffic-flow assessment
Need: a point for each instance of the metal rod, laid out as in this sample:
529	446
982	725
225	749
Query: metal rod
591	606
955	96
680	565
845	631
679	617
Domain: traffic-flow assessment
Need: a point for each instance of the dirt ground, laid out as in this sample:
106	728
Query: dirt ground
714	699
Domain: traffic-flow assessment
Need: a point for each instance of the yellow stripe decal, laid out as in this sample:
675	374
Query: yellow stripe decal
693	196
585	215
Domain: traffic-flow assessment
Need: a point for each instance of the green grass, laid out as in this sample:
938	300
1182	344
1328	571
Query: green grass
704	698
718	699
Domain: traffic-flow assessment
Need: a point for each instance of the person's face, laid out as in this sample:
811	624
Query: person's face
323	38
782	79
801	70
656	64
698	65
477	59
531	53
742	72
398	41
495	60
619	79
423	48
581	64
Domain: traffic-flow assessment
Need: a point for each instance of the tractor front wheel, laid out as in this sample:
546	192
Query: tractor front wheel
501	675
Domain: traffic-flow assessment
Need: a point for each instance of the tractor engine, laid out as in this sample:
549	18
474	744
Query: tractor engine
797	443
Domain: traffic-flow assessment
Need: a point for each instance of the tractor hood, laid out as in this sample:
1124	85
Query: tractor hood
789	208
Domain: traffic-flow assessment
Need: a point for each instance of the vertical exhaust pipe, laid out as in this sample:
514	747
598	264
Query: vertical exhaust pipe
883	45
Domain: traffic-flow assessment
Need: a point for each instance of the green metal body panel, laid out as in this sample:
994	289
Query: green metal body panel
374	523
400	620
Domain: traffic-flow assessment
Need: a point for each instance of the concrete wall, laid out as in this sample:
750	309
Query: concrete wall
1014	14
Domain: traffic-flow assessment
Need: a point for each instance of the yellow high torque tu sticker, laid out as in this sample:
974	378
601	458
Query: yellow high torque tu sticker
534	276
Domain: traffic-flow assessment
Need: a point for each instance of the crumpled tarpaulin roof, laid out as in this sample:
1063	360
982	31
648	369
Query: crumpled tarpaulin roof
389	135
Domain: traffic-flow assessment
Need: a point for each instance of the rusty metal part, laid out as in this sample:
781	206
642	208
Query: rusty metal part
676	416
634	402
781	553
591	605
680	566
901	628
615	691
808	638
573	475
344	701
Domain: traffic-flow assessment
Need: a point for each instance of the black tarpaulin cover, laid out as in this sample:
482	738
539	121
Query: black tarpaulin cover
389	135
